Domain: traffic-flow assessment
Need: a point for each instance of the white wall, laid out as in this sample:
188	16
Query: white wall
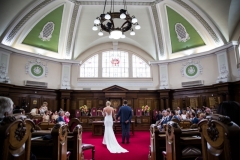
17	72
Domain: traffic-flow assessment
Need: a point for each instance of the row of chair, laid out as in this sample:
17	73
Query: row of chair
20	141
216	137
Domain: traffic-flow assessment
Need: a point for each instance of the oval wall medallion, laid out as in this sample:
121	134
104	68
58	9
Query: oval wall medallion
191	69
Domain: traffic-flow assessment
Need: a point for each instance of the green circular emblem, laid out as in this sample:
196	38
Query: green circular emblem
191	70
37	70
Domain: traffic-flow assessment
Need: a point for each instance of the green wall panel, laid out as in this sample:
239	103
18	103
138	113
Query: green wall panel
33	39
195	39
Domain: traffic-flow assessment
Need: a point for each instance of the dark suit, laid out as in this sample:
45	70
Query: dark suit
125	113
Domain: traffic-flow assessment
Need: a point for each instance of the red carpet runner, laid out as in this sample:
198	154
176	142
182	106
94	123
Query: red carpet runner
138	147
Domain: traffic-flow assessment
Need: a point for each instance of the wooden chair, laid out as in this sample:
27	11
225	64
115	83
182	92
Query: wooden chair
94	111
220	138
55	148
15	141
75	143
71	125
181	145
77	113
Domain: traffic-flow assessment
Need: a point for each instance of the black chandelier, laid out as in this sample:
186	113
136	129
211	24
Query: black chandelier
106	22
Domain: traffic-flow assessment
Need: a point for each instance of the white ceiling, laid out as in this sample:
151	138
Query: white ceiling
224	14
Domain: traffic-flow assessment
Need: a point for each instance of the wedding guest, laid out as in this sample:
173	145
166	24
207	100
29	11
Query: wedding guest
194	119
34	111
43	108
6	107
66	117
46	116
201	116
188	116
55	116
230	109
60	117
179	110
159	116
184	116
173	115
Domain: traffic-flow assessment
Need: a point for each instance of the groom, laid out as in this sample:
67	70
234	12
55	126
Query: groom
125	114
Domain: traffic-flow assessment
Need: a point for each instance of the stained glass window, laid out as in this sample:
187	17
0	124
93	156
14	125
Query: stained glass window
90	67
115	64
140	67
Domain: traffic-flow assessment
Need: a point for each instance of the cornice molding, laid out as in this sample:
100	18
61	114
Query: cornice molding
11	50
213	51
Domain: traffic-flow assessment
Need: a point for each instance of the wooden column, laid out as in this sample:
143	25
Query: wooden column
165	98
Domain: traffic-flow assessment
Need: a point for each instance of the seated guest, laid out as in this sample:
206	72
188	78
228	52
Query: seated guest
66	117
194	119
201	116
173	115
208	111
61	117
54	116
43	108
184	116
230	109
179	111
159	116
6	107
34	111
46	116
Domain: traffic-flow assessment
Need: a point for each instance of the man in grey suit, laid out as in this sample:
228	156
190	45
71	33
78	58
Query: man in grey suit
125	114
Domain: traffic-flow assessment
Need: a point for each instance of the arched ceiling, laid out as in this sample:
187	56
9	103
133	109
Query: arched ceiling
215	21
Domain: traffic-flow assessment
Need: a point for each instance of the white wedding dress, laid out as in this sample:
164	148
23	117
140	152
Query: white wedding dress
109	138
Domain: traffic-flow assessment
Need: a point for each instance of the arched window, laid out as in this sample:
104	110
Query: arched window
90	67
140	67
115	64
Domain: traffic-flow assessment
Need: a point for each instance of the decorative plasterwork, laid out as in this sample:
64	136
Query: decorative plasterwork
191	69
36	68
158	29
4	63
9	37
66	76
223	69
181	32
163	68
200	19
71	29
46	33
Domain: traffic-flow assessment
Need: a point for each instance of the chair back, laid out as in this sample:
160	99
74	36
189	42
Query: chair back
173	133
220	138
138	112
73	123
77	113
15	141
184	124
59	134
75	143
94	111
155	113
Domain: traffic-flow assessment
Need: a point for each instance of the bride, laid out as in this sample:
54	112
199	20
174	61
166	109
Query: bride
109	138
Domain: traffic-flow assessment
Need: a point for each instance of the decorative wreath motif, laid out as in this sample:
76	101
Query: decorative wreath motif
181	32
191	69
36	68
46	33
212	131
20	131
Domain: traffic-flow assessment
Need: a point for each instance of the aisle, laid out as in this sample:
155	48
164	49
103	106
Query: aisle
138	147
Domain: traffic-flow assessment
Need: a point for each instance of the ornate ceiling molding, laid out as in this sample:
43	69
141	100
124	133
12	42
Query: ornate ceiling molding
158	29
72	29
9	37
201	20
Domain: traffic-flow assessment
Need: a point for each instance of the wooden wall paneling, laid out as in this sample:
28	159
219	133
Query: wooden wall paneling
34	102
141	102
149	103
81	102
89	103
156	105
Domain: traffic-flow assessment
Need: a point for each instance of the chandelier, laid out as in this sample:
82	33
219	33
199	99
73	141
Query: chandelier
106	22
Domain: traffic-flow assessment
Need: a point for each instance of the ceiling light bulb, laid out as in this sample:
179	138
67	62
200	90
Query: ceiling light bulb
97	21
137	26
116	34
100	33
95	28
134	19
123	36
107	16
132	33
123	16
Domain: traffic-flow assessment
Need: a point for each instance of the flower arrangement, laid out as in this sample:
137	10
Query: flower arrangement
146	108
84	109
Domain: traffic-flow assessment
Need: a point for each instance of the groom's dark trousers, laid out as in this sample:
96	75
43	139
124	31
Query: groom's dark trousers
125	131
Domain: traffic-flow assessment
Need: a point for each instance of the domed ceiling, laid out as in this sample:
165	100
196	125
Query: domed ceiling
169	28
